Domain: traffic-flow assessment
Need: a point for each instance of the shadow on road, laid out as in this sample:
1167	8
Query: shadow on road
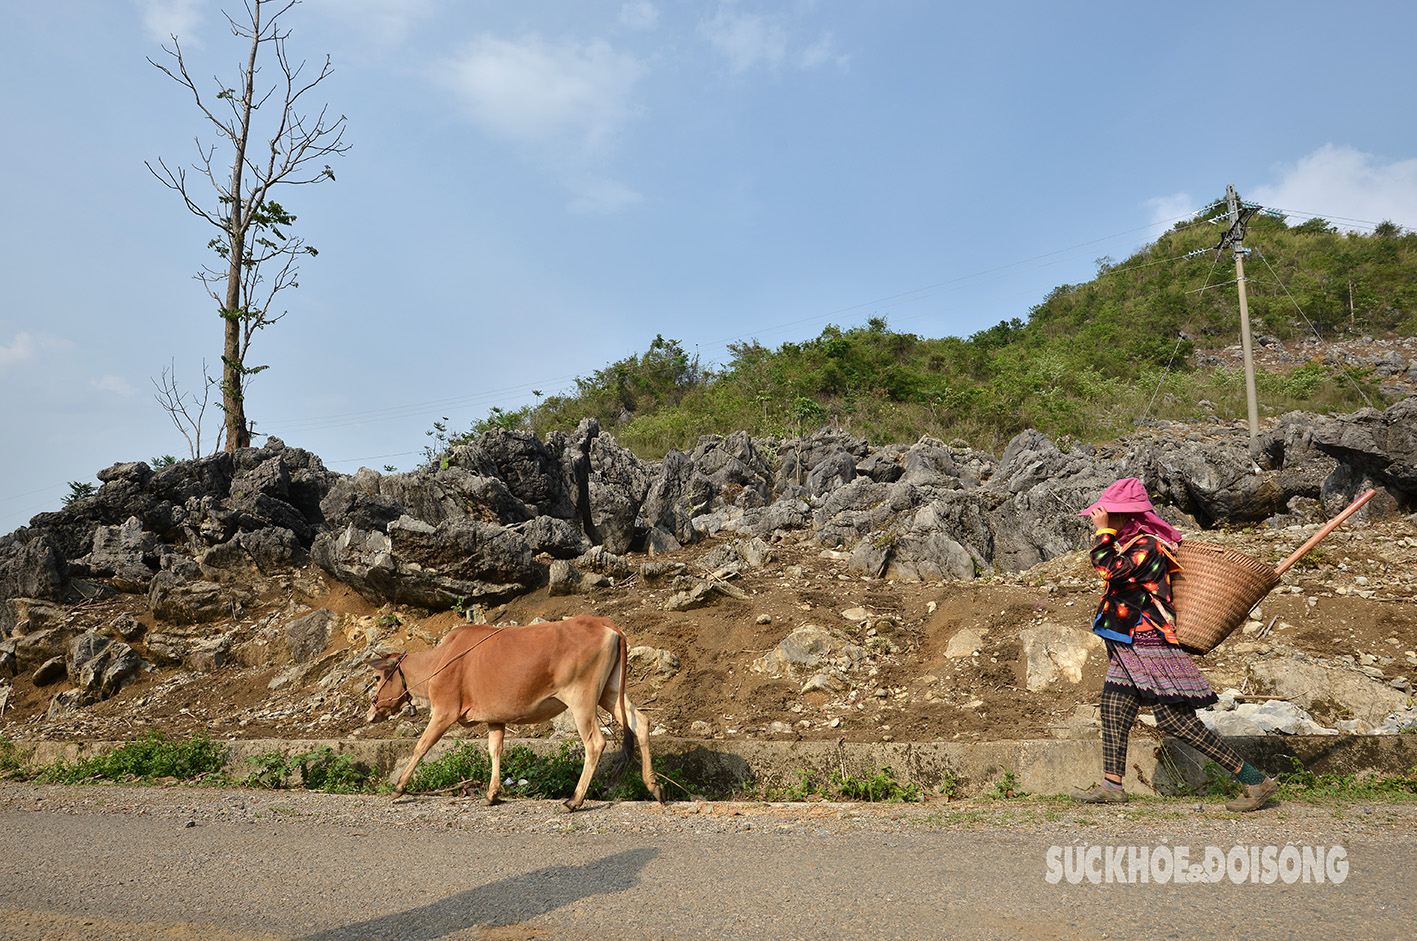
504	902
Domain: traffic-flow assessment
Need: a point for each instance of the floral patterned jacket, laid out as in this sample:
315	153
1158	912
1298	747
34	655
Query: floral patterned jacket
1137	578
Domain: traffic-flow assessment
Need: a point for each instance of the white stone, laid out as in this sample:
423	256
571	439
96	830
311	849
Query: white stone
1055	651
965	643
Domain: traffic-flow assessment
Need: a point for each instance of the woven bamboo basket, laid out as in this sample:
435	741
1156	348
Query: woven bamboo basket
1214	591
1218	586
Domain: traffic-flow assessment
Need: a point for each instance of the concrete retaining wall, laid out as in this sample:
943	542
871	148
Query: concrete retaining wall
1050	766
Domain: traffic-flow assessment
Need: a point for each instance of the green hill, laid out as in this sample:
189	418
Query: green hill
1088	363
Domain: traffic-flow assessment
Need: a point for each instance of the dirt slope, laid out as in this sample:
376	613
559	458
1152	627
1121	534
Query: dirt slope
1355	597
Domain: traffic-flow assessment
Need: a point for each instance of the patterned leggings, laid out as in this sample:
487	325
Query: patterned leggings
1119	712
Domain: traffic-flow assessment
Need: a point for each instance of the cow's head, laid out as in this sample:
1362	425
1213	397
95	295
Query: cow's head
391	693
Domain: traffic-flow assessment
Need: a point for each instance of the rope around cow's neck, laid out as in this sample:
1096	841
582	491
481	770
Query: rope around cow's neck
407	694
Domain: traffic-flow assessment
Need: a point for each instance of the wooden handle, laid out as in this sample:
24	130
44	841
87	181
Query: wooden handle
1328	527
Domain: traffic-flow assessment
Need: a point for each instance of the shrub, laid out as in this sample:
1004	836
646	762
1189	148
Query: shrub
1301	782
146	759
543	777
879	786
323	770
14	760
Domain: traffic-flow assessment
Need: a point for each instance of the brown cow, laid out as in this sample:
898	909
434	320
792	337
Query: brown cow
516	675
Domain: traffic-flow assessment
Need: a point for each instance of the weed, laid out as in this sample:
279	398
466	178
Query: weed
881	785
318	770
1300	782
805	789
878	786
14	760
465	762
323	770
146	759
1007	788
527	774
553	776
1218	782
632	787
272	771
524	773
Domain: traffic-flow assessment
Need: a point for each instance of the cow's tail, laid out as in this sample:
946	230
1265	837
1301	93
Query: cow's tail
627	749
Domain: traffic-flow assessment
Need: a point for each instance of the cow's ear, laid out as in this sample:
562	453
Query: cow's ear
385	663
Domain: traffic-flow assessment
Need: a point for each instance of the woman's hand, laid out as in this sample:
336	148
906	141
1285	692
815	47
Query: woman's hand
1099	518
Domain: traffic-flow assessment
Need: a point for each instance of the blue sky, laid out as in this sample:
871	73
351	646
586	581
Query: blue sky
536	189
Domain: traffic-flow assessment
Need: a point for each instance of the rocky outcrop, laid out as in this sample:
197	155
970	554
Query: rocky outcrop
473	526
100	667
416	563
513	512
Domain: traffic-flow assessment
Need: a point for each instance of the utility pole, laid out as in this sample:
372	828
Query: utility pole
1239	216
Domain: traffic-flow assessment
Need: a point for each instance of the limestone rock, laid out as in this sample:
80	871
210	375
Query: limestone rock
1056	652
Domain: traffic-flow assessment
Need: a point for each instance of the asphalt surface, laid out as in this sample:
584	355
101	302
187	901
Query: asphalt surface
99	863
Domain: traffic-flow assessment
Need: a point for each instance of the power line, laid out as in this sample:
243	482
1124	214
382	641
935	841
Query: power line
1312	328
1322	215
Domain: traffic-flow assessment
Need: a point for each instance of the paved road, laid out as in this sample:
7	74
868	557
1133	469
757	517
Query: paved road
103	863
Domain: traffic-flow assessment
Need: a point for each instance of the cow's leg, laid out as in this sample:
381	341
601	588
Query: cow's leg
594	741
633	723
437	725
495	733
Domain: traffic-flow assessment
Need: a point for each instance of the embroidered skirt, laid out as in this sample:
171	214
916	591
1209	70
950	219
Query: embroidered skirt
1156	672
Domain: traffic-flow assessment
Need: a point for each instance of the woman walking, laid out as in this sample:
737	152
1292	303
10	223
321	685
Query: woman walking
1132	550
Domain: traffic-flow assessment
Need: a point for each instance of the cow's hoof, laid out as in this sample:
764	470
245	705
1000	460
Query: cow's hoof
492	801
569	806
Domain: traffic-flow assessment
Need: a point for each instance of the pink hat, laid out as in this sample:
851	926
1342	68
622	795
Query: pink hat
1127	495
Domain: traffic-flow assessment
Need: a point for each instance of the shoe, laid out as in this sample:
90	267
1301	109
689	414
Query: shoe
1255	796
1101	794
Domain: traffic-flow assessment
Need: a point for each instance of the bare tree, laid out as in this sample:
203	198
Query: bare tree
258	258
185	409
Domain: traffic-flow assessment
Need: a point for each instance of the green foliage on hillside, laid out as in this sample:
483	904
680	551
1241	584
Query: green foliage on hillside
1090	361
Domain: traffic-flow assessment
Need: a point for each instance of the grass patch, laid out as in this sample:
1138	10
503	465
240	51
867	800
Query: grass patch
148	759
1218	783
324	770
878	786
1007	788
540	777
1299	783
14	759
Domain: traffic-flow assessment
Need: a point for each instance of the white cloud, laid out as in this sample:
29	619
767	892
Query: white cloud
746	40
382	22
164	19
115	384
545	94
750	40
27	348
602	197
822	52
639	14
21	350
1168	210
1351	189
